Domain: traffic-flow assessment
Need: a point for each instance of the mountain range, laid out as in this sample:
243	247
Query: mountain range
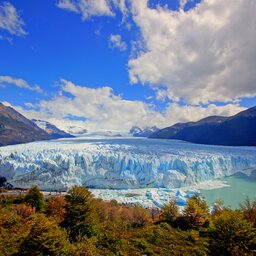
52	130
237	130
16	129
143	132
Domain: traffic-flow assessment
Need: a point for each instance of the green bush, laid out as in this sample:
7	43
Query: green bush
35	198
79	219
231	234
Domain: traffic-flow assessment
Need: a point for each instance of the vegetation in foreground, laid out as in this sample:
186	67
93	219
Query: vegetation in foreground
78	224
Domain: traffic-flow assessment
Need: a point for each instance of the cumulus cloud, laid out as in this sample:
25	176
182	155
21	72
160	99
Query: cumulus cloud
204	55
10	20
100	109
8	80
184	113
91	8
115	41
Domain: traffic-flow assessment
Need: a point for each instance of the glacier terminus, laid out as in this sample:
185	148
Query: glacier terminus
120	163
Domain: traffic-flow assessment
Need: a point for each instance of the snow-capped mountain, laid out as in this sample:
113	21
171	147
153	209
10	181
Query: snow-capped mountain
51	129
143	132
120	163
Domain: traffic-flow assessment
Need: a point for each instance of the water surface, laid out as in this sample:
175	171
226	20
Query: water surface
239	188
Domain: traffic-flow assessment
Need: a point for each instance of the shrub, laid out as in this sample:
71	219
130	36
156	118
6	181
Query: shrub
35	198
45	238
84	247
249	210
196	212
55	207
170	211
80	217
232	235
23	210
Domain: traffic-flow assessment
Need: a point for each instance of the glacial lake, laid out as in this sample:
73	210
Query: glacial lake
237	191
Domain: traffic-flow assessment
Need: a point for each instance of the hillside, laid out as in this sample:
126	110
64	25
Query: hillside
237	130
15	128
52	130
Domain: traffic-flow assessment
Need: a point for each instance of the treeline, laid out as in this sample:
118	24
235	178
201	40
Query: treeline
79	224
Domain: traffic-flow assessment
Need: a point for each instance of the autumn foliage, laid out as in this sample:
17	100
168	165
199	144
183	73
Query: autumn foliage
78	224
55	207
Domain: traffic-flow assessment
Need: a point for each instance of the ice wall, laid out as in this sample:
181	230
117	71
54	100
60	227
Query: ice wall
120	163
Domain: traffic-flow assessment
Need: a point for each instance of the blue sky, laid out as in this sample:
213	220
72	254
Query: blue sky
112	64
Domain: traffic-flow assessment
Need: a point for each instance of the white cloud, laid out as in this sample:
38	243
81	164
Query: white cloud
206	54
121	5
10	20
91	8
8	80
87	8
178	113
115	41
103	110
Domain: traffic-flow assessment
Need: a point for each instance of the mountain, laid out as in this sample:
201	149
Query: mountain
143	132
170	132
237	130
15	128
51	129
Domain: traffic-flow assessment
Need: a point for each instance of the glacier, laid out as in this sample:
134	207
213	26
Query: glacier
120	163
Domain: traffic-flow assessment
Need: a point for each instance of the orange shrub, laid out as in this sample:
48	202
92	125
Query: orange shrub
23	210
55	207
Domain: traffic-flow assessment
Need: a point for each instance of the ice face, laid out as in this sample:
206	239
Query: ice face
120	163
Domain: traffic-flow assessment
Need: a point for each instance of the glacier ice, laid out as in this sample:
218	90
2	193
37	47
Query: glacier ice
120	163
147	197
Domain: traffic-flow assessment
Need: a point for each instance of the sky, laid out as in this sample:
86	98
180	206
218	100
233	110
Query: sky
113	64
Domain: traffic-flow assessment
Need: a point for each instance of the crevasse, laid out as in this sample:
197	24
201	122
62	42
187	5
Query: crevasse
120	163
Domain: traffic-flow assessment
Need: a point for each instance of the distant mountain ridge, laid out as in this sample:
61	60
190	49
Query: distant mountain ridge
15	128
237	130
169	132
143	132
51	129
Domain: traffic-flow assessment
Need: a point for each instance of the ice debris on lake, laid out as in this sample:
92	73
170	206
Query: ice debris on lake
120	163
148	198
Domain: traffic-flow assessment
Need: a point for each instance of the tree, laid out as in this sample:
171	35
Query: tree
80	216
45	238
249	210
196	212
35	198
140	217
232	235
170	211
55	207
23	210
85	247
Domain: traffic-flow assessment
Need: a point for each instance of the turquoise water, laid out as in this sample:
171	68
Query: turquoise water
239	188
